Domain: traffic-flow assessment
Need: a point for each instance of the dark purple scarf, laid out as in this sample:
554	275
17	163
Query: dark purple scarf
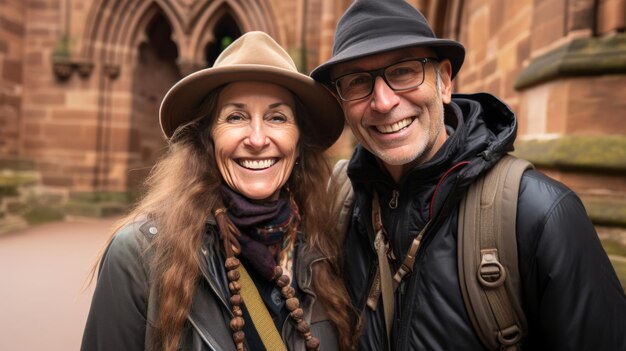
263	227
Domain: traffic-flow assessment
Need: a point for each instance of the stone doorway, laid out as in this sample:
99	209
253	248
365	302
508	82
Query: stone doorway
155	72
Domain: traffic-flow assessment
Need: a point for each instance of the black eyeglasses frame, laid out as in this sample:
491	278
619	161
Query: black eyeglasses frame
380	72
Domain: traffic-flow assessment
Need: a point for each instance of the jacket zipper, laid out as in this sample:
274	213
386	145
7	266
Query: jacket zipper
402	340
401	224
410	284
393	203
394	245
206	341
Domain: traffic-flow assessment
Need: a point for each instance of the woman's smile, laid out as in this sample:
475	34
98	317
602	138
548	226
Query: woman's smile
257	164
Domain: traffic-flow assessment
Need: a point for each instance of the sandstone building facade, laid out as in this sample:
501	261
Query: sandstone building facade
81	80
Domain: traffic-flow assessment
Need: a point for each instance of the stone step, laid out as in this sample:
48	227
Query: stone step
11	223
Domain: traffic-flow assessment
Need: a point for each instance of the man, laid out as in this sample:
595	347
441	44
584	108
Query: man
420	149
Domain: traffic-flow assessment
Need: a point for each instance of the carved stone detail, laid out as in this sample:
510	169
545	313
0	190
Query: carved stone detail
111	70
62	69
84	68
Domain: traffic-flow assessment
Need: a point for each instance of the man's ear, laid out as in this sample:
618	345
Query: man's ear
445	74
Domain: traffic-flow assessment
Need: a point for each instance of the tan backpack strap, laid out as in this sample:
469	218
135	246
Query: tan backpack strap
384	270
487	255
340	188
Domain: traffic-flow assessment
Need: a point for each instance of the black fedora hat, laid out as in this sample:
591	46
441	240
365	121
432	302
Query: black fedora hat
375	26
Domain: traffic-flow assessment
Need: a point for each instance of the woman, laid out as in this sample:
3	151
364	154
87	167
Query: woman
231	248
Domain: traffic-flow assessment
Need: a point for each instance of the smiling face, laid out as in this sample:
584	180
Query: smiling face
402	128
256	136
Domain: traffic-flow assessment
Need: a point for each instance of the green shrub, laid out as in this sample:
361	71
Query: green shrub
42	214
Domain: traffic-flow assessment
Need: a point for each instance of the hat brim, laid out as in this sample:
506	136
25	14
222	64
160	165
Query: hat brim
181	102
444	48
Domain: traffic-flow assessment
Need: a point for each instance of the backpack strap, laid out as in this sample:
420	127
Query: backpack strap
340	188
487	255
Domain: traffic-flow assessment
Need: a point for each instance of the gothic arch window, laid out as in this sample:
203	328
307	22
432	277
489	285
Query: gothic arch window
159	34
225	32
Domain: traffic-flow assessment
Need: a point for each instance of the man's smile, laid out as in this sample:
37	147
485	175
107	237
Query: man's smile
394	127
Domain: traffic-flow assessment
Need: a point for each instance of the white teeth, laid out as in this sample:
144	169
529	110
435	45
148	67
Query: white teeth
392	128
257	164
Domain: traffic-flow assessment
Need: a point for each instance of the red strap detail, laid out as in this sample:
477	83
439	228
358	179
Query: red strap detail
445	175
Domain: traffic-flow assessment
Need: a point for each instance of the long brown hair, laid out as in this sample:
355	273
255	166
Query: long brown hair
181	191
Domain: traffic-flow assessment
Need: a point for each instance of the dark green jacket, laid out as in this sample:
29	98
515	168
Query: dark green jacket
124	306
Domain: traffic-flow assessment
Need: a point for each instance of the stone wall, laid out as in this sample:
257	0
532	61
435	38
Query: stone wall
91	86
59	111
80	85
12	33
496	35
557	64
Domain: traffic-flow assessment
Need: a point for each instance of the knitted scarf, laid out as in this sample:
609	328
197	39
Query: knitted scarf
267	230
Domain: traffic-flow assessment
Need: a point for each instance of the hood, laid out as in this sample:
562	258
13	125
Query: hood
487	133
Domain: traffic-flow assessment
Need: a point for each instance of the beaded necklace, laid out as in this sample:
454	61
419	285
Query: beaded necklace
229	234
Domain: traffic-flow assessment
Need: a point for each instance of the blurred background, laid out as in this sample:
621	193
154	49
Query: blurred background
81	82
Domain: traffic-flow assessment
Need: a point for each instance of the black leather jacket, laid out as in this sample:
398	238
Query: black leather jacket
124	303
570	292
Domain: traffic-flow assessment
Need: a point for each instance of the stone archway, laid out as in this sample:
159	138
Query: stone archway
141	48
154	73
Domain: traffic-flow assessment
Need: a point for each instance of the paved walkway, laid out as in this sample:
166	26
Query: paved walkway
43	271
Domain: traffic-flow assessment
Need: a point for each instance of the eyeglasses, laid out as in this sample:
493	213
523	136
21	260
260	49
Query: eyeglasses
403	75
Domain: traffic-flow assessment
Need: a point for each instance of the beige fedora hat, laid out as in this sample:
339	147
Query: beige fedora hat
254	56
